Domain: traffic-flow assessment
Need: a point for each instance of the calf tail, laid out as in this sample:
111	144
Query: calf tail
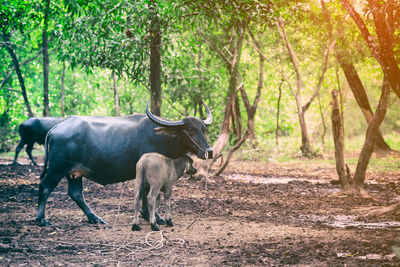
140	176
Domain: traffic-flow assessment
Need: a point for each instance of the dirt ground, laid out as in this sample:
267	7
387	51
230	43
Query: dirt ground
256	214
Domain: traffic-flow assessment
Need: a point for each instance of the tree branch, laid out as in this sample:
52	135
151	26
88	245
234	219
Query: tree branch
220	52
281	72
8	75
282	32
364	31
321	78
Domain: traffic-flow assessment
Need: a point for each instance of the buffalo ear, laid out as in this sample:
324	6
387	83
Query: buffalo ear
165	130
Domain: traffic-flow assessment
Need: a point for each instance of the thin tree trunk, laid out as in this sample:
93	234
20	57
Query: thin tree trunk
116	98
361	97
301	109
341	101
155	63
45	44
63	90
337	133
370	137
26	61
251	109
18	71
230	97
323	121
278	108
305	141
237	118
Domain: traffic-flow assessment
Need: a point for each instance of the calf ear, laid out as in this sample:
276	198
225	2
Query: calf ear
165	130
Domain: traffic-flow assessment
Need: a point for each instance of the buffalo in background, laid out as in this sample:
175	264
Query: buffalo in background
31	131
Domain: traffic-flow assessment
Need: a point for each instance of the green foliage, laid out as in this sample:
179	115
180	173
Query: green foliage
96	37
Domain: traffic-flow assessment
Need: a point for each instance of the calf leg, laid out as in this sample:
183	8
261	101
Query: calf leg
138	196
46	186
160	220
75	191
167	200
29	148
151	201
145	210
20	145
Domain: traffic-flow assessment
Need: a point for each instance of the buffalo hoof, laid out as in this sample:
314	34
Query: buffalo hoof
15	163
169	222
43	222
97	220
34	163
160	220
136	227
154	227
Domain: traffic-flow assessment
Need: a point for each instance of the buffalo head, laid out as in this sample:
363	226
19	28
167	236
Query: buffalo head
191	129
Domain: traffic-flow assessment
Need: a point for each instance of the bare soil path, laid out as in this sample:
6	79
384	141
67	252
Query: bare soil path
256	214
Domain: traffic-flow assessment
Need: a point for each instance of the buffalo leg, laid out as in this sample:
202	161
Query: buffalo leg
138	196
46	186
75	191
29	148
17	150
145	210
152	204
167	200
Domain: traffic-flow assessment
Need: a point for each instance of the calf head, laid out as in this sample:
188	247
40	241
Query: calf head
189	168
191	130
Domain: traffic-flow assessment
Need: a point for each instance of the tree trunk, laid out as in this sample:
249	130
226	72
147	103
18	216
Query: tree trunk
322	120
26	61
237	119
305	141
337	133
278	107
45	44
62	90
339	89
361	97
230	97
251	112
18	71
301	109
370	137
252	108
116	98
155	64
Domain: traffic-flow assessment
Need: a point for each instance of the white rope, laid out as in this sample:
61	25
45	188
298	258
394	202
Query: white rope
156	245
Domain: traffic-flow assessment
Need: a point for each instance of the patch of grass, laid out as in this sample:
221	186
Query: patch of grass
38	150
388	163
288	151
393	140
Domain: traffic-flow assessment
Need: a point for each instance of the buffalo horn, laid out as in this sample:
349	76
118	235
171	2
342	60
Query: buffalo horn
209	119
161	121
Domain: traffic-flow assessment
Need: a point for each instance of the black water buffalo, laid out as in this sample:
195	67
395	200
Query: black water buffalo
31	131
106	150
